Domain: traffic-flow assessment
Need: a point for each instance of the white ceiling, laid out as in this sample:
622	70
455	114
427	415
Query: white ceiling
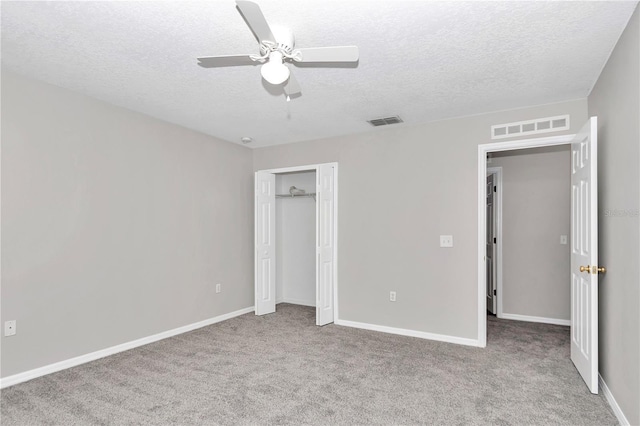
421	60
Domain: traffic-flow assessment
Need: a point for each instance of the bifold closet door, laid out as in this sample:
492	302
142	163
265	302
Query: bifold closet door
325	243
265	268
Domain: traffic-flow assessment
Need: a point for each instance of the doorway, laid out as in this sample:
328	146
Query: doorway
530	192
270	278
583	276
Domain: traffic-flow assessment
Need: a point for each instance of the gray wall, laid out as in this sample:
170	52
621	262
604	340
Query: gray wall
536	196
115	226
401	187
615	99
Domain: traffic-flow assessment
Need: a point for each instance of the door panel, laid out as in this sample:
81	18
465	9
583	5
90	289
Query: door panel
584	252
325	244
265	274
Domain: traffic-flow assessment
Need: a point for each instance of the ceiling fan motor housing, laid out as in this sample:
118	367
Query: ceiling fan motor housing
284	39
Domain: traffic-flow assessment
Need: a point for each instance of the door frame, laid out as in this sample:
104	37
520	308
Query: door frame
309	168
483	150
497	208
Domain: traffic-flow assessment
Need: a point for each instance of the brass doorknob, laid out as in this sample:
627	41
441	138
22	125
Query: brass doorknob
593	269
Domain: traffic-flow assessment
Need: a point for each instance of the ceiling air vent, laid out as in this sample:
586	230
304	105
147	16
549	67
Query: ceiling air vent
530	127
385	121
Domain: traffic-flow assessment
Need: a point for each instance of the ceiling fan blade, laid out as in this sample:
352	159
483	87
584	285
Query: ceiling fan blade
327	54
226	61
255	20
292	88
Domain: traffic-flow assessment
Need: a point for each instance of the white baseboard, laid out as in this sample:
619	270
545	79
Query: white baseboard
529	318
298	302
410	333
82	359
612	402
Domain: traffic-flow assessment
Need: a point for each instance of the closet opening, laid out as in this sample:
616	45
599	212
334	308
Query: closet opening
295	239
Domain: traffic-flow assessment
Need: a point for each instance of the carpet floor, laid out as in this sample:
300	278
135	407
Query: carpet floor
282	369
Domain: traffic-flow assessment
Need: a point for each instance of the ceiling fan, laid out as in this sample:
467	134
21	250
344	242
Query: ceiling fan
277	51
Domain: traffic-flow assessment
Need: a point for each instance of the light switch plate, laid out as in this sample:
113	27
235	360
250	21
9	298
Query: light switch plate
563	239
446	240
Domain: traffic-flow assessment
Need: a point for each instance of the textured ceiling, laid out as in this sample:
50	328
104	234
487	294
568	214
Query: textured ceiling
421	60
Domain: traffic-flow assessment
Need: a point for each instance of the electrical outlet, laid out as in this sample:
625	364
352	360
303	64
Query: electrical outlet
218	288
446	240
10	328
563	239
392	296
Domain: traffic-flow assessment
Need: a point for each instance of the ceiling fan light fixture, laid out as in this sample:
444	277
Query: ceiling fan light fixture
275	71
277	49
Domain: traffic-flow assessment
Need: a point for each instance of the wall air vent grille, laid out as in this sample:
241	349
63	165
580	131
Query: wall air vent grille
530	127
385	121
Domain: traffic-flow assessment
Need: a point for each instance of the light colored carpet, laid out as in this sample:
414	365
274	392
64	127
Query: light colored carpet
282	369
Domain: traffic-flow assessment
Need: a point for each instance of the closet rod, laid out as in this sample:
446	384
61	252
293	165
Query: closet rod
312	194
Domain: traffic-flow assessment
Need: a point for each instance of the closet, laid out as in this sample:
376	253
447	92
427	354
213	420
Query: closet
296	238
296	214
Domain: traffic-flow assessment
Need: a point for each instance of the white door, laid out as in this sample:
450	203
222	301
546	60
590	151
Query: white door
490	243
584	253
265	291
325	243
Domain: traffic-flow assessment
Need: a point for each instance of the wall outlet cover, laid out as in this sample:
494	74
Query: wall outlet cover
10	328
446	240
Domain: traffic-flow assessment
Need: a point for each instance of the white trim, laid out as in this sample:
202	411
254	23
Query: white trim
82	359
613	403
497	171
525	143
335	243
410	333
307	168
530	318
297	302
483	150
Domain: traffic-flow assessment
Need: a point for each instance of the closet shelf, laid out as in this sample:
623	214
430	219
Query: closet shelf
311	194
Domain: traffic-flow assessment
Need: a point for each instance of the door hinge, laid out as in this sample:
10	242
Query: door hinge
495	292
495	189
494	240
